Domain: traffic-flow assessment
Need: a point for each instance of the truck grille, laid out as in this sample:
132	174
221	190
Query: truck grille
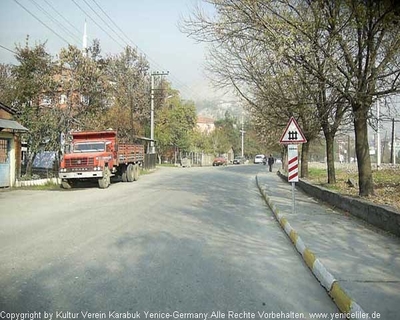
79	162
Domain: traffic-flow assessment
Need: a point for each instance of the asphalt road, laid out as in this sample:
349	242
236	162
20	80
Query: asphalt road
190	240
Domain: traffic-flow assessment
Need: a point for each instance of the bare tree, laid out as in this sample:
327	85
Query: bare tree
349	48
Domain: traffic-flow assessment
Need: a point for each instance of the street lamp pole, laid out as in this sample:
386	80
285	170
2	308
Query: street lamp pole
242	132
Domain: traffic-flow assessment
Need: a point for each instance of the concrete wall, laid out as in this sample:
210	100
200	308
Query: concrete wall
380	216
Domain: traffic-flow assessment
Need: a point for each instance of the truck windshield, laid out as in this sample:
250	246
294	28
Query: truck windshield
89	147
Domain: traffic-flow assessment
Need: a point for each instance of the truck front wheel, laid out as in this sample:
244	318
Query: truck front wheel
66	184
105	181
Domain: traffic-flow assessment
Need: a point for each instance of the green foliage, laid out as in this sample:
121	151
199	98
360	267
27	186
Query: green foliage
129	89
6	84
219	142
34	81
201	142
174	126
84	84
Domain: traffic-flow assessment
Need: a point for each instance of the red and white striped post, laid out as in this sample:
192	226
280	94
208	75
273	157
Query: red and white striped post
293	170
293	163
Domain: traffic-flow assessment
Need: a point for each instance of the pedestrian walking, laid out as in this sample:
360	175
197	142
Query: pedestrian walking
271	161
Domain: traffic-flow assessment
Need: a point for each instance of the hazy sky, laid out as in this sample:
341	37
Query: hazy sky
151	25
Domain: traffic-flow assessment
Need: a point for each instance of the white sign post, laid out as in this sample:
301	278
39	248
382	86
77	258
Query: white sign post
293	136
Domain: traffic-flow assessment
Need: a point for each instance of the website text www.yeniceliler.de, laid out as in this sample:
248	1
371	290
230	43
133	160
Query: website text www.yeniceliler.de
183	315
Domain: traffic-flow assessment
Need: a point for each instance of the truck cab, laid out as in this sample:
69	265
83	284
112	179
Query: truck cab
91	155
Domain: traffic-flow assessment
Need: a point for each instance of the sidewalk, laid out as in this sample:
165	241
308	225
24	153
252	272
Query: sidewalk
363	260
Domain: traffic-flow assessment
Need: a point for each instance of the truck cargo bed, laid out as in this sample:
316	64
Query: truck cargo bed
130	153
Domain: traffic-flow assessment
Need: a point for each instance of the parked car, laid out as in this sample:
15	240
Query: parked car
258	159
220	161
239	160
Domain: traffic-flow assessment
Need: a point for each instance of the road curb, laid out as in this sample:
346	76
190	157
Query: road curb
326	279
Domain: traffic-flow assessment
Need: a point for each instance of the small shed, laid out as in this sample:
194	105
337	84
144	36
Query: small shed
10	146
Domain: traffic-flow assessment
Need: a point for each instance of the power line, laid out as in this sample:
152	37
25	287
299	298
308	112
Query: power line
5	48
112	21
49	16
58	35
105	22
89	16
66	20
184	86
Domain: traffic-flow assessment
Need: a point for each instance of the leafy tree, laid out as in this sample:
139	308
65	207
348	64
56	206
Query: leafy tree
219	141
83	84
201	142
174	125
34	84
230	127
129	93
6	84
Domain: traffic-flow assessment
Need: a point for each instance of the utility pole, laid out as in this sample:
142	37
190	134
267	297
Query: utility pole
156	73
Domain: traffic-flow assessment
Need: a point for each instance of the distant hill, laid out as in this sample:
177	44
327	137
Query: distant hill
217	108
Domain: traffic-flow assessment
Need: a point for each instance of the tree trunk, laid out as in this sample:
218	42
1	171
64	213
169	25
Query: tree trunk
330	157
285	159
29	164
304	160
366	185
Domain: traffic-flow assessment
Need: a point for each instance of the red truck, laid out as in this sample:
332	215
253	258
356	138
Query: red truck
97	155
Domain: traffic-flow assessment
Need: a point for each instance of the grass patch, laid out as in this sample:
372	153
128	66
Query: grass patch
47	186
386	184
145	171
169	165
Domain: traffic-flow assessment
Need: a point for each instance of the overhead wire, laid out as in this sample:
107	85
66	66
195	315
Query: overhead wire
105	22
182	85
5	48
41	22
59	24
95	22
112	21
154	63
66	20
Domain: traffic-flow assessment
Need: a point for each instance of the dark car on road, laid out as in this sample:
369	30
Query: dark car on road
220	161
239	160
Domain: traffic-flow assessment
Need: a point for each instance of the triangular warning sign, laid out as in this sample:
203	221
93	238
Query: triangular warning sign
293	133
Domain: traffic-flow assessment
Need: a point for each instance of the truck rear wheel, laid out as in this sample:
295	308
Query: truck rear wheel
136	173
124	175
130	173
105	181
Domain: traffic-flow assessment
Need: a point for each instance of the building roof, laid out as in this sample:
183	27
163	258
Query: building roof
12	125
204	120
7	109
